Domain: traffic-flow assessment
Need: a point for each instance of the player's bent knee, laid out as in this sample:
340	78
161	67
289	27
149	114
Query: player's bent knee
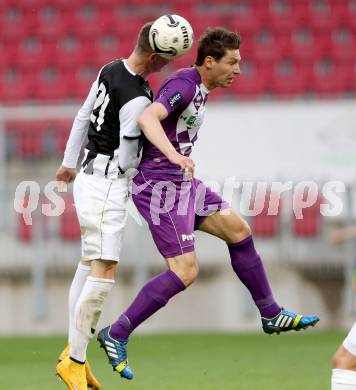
240	231
343	359
185	267
104	269
192	274
245	229
339	361
187	274
336	361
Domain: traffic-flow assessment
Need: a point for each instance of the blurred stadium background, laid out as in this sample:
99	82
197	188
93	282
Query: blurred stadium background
290	116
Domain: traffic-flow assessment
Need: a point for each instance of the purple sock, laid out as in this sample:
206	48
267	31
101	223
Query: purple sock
248	267
154	295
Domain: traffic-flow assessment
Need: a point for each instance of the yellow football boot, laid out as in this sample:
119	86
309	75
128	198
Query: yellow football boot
72	374
91	380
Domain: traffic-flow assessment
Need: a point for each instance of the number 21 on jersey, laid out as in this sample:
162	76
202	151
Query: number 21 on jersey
102	101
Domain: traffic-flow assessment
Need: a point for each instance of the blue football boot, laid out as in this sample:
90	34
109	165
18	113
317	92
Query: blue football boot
116	352
286	321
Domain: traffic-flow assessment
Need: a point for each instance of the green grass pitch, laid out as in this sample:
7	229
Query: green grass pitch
184	361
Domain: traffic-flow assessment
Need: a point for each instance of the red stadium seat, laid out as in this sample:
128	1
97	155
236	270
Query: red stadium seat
310	225
289	78
80	80
70	52
68	224
266	225
352	73
92	21
33	53
15	86
147	3
65	5
51	21
107	48
4	5
306	46
13	23
123	26
201	21
109	4
324	15
329	77
50	84
32	6
343	44
184	9
79	88
282	15
349	14
88	21
349	73
267	46
9	53
245	18
221	4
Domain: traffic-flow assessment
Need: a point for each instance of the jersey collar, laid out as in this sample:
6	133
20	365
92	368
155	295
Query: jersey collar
128	68
202	86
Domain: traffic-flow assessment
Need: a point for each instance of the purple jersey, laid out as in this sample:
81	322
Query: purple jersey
173	206
184	96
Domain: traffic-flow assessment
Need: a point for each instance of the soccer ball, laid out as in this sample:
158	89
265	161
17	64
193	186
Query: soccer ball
171	36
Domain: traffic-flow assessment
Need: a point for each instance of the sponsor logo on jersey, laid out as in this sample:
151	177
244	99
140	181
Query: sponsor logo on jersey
188	237
175	98
191	120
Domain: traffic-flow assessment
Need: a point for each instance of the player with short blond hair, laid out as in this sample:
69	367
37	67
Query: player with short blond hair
109	117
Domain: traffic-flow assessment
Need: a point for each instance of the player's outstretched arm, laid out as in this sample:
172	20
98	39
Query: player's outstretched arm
150	123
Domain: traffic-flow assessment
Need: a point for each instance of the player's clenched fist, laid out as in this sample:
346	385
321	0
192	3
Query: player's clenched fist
66	175
186	164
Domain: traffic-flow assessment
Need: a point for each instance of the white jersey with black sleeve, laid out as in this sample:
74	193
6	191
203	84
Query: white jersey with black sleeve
109	117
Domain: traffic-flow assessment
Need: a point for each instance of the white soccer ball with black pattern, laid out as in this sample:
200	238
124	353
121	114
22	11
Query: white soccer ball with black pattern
171	36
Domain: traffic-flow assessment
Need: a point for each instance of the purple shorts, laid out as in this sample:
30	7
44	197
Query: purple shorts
174	208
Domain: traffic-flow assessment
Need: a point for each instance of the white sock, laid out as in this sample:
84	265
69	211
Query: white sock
343	379
87	313
75	290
